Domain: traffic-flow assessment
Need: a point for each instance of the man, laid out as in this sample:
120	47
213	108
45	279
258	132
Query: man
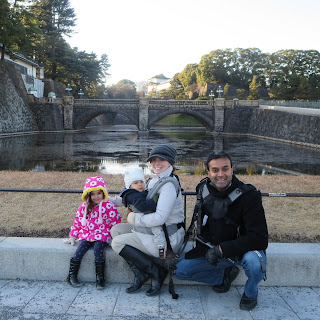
231	230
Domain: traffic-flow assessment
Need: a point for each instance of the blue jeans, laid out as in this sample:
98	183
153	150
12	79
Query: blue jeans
202	271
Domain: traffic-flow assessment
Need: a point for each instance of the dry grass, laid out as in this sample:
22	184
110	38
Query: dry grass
51	214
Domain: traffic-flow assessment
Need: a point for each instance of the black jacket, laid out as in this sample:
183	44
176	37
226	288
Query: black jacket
138	200
246	214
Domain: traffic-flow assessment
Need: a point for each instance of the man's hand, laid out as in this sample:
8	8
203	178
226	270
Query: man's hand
214	255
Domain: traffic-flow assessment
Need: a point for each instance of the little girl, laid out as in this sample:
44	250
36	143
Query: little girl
92	224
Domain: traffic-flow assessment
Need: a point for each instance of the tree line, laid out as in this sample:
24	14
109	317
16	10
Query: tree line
250	73
38	29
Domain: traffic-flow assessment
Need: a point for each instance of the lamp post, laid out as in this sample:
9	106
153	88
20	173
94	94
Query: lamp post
211	95
220	91
68	89
51	96
80	93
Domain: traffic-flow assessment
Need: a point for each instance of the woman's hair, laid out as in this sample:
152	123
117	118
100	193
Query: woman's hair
174	169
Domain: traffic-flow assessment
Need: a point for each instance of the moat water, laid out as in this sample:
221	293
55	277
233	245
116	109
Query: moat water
114	149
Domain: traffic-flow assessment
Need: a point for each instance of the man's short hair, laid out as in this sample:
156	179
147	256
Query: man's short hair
217	155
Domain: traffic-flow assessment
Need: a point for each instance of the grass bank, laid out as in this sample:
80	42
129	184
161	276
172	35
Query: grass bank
51	214
179	120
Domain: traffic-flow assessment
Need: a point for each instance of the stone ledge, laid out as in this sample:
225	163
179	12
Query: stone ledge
289	264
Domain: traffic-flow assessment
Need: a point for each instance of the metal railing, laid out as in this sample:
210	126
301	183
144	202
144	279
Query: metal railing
184	194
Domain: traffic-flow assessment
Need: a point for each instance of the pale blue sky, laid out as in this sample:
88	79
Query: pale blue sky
143	38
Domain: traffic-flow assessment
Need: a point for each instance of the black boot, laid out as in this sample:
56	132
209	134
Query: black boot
230	273
139	278
100	279
146	264
73	273
157	278
127	253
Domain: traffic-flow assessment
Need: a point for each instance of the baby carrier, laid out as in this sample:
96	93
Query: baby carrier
169	264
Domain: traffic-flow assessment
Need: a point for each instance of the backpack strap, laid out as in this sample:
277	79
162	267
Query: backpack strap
197	212
263	264
203	192
236	193
162	181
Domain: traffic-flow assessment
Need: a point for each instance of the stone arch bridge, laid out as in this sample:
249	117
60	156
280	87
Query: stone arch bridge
144	112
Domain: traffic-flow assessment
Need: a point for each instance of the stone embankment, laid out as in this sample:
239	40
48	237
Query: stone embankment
274	124
15	112
289	264
18	114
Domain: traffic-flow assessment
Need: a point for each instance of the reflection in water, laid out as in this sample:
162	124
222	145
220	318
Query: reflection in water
105	151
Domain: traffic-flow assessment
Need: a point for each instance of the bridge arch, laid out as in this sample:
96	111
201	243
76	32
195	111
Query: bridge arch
87	110
205	119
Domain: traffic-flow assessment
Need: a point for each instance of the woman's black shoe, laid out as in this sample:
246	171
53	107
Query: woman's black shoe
157	279
139	278
146	266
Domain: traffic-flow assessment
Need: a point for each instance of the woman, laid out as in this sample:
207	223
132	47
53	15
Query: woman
133	240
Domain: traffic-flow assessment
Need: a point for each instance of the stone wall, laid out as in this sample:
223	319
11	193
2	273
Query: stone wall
48	116
285	125
273	124
15	114
238	119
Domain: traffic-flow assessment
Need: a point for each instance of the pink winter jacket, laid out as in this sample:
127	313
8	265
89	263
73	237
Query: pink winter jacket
93	231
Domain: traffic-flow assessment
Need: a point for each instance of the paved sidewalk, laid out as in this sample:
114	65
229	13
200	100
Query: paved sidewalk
45	300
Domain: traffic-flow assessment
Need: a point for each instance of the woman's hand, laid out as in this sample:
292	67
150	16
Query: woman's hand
130	218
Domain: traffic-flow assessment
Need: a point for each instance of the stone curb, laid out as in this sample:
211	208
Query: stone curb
289	264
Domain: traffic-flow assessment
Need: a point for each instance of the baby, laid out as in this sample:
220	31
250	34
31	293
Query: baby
134	197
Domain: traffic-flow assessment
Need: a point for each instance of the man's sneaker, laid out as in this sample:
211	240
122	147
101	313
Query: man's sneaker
230	274
247	303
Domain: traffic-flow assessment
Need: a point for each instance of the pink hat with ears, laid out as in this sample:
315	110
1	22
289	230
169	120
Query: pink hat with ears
93	184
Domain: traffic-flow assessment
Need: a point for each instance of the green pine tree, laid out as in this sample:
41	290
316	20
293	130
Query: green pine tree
254	89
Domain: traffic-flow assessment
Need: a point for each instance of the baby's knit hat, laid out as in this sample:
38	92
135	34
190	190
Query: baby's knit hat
163	151
93	184
133	175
